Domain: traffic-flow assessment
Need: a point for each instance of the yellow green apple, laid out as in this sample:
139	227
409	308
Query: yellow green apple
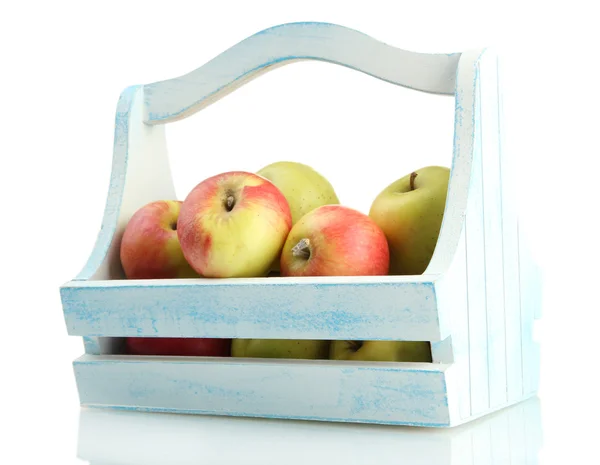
150	248
280	348
410	211
304	188
233	224
381	351
335	240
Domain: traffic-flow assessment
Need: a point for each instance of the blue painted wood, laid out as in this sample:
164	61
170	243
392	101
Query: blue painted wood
492	225
170	100
360	392
476	289
334	308
452	289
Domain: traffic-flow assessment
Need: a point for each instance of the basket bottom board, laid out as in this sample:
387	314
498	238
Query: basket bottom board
299	389
412	394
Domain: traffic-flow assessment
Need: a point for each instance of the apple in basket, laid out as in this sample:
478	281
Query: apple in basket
233	224
207	347
410	212
335	240
150	247
381	351
303	187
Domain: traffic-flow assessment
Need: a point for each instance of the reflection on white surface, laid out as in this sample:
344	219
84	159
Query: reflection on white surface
512	435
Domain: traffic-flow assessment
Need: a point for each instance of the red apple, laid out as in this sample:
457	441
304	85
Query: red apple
233	224
334	240
150	247
206	347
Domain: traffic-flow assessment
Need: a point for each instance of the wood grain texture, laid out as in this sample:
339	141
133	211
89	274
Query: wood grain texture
333	308
174	99
372	393
476	284
492	226
453	299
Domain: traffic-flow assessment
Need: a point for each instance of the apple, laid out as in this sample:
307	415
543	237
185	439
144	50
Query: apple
410	211
303	187
150	247
335	240
381	351
206	347
280	348
233	224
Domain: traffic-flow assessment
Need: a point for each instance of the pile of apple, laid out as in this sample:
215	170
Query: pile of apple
285	220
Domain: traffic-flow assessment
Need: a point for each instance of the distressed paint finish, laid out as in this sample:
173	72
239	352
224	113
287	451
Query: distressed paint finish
178	98
140	174
388	393
476	302
452	291
492	226
476	288
372	309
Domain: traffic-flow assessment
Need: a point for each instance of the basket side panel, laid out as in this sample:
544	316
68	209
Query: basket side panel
140	174
510	242
254	308
316	391
475	247
491	181
453	298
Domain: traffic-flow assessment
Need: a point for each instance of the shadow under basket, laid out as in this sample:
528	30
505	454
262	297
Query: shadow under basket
476	303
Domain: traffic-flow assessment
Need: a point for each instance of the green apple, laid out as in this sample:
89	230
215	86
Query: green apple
280	348
409	212
381	351
304	188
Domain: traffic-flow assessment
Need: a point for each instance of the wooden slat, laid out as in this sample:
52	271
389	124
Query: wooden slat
492	222
510	239
478	342
374	393
277	308
453	298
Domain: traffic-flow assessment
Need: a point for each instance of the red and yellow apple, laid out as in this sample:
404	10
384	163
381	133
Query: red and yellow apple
182	346
335	240
233	224
150	247
381	351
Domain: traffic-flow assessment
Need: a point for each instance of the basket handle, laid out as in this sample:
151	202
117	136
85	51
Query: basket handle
175	99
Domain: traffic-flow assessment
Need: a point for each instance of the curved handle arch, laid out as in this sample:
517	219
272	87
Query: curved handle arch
175	99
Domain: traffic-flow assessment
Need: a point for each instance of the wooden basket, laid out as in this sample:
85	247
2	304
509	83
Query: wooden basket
476	302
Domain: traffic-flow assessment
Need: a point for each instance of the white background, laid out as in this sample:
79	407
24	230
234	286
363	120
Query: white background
65	63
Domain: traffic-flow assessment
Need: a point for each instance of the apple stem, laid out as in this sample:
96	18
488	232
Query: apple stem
413	175
302	249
